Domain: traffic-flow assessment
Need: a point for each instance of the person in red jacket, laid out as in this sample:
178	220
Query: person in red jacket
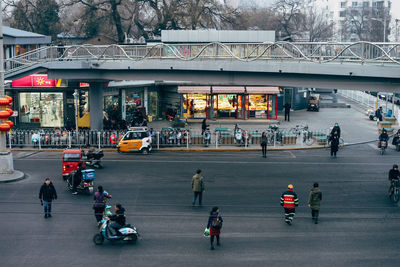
289	201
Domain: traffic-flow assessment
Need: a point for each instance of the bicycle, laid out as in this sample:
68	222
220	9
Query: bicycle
394	192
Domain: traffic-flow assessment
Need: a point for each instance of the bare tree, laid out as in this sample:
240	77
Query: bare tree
316	26
289	18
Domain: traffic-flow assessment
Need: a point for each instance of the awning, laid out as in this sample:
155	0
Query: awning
194	89
262	90
228	89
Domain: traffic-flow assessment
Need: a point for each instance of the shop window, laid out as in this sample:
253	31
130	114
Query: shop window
133	101
44	109
227	104
195	105
258	106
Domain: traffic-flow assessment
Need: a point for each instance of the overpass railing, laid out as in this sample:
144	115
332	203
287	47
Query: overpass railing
359	52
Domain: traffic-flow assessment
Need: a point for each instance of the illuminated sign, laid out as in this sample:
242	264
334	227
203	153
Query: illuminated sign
38	80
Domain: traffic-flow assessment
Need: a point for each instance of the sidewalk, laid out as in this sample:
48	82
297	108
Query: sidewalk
355	126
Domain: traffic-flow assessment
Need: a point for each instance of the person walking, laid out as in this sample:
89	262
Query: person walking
334	138
47	194
214	225
314	202
379	114
204	126
264	142
287	108
289	201
197	187
100	199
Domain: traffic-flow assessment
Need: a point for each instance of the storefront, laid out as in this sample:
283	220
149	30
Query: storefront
229	102
39	101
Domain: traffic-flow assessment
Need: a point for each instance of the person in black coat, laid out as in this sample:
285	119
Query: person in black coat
47	194
336	128
204	126
77	179
334	138
118	218
287	108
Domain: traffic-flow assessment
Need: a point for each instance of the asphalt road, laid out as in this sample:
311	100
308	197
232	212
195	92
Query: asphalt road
359	226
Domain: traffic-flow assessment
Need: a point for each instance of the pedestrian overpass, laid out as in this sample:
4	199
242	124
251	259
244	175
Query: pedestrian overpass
360	66
352	66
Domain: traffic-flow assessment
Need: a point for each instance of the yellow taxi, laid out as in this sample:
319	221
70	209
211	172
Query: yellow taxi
136	139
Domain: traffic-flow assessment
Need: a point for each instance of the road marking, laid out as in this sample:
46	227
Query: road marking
224	162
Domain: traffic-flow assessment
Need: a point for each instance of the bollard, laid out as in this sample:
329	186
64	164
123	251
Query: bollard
69	139
216	140
40	138
98	139
187	140
302	138
245	140
275	139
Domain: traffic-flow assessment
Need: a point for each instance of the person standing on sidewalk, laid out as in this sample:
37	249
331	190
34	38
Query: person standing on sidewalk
379	114
215	225
47	194
197	187
314	202
289	201
264	142
99	205
287	108
334	139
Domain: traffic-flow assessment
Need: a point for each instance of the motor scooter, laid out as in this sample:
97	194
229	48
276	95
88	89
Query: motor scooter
127	233
87	182
238	135
382	145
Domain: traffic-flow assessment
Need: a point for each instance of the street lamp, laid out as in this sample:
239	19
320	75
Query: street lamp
384	26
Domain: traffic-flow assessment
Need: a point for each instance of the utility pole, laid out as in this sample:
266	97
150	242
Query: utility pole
76	99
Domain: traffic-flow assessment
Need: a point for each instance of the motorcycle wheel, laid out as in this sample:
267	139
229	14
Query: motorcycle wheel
145	151
98	239
309	141
395	197
99	165
133	240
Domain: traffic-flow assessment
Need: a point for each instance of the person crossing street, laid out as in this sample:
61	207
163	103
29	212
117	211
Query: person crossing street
47	194
289	201
314	202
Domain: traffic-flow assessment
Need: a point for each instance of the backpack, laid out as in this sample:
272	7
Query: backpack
216	222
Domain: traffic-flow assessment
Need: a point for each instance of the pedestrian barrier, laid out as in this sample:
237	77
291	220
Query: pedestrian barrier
165	138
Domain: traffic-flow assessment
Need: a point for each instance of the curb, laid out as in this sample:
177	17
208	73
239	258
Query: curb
17	175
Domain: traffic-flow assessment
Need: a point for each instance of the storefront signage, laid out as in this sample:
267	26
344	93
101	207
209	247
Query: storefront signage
38	81
84	84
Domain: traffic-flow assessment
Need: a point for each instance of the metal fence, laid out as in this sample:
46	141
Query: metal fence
369	101
169	138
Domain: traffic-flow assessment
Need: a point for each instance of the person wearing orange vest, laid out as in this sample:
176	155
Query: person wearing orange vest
289	201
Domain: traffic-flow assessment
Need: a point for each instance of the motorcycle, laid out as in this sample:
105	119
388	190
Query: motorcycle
207	137
87	182
382	145
127	233
93	159
238	135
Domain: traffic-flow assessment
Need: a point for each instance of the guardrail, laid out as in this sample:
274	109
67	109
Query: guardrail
168	138
323	52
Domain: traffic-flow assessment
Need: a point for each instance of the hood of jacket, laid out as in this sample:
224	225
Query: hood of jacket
197	176
315	190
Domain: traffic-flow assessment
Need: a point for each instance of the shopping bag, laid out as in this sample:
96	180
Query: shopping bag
206	232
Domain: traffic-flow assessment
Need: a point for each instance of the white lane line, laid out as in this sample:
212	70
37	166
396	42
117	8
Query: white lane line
227	162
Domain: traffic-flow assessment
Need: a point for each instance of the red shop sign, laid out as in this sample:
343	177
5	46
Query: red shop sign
34	81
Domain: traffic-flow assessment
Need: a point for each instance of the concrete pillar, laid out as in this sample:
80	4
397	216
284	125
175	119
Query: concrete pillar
96	106
123	104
